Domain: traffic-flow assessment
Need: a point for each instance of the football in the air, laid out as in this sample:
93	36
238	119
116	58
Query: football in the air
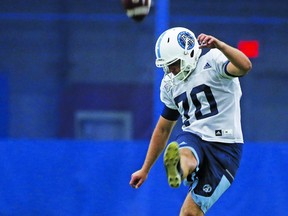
137	9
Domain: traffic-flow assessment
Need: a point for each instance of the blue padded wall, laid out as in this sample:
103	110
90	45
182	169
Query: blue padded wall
67	178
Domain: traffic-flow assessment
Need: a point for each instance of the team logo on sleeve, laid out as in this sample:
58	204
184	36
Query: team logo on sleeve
167	87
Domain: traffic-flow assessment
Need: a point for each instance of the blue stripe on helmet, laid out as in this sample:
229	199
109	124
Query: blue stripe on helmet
158	45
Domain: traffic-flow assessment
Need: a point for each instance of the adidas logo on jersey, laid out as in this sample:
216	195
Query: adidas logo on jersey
226	132
207	65
218	132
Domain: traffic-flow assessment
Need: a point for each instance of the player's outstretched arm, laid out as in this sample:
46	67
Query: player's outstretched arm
157	144
239	64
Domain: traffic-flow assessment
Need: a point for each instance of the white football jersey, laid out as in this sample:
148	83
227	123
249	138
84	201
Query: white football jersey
208	100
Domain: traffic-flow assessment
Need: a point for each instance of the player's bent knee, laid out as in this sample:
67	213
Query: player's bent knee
187	156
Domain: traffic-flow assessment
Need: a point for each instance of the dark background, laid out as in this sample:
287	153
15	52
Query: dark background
61	57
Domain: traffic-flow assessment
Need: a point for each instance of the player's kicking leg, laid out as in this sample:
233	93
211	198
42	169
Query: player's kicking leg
172	164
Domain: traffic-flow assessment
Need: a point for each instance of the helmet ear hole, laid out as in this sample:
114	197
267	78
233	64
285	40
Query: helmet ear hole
192	54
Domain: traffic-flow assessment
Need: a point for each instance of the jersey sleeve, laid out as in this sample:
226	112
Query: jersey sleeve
170	114
166	95
220	62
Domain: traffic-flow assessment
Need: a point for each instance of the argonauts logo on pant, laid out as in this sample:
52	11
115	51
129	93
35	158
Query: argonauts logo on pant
207	188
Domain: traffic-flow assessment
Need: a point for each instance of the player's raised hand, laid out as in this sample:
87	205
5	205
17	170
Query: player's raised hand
137	178
208	41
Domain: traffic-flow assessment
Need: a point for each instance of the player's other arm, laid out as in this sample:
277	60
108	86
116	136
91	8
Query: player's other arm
157	144
239	64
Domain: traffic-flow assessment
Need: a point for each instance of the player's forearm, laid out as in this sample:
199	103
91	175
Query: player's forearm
155	149
156	146
237	58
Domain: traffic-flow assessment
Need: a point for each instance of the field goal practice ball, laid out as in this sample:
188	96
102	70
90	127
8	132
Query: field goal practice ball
137	9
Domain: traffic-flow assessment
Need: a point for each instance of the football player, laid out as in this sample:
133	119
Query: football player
205	91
